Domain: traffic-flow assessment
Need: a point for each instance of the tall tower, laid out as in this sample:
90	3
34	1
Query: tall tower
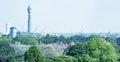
29	18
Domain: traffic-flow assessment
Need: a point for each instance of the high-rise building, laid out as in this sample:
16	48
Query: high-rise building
29	18
12	32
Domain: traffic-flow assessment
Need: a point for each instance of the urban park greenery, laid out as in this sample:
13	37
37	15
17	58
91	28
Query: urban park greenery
93	48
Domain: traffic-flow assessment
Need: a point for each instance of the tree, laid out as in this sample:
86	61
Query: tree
96	49
29	40
5	38
101	50
66	59
112	40
117	48
7	53
87	58
75	50
33	55
93	36
78	38
118	41
62	38
48	39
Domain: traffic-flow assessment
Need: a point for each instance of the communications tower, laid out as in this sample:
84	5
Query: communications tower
29	18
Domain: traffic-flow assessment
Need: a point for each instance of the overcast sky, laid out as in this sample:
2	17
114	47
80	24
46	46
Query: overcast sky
68	16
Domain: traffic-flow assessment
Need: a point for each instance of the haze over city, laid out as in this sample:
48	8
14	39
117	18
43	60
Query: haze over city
62	16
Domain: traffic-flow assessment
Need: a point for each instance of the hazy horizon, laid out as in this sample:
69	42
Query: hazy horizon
62	16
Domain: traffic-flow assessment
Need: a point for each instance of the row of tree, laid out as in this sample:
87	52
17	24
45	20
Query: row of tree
86	49
96	49
32	40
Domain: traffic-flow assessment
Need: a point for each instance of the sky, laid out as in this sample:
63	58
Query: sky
62	16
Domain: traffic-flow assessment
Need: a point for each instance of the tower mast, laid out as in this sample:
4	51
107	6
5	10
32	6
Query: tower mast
29	17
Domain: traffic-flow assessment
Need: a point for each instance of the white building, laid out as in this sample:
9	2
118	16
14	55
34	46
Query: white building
8	25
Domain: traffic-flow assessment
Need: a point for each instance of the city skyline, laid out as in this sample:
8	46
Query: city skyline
64	16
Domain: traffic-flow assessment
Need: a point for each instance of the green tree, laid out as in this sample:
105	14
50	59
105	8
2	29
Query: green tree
48	39
87	58
29	40
33	55
75	50
7	53
78	38
5	38
66	59
117	48
112	40
101	50
96	49
118	41
92	36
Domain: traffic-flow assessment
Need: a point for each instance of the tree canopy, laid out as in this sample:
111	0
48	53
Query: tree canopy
7	53
34	55
76	50
66	59
95	50
29	40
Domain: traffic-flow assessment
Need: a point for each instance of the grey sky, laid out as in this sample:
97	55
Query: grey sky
62	15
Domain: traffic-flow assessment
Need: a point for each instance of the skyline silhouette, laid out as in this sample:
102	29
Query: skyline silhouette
64	16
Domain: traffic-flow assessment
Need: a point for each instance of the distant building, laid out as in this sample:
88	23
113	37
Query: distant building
12	32
8	25
27	34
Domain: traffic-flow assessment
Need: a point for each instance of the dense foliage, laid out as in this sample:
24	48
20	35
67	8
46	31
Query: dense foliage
76	50
66	59
33	55
93	48
28	40
7	53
